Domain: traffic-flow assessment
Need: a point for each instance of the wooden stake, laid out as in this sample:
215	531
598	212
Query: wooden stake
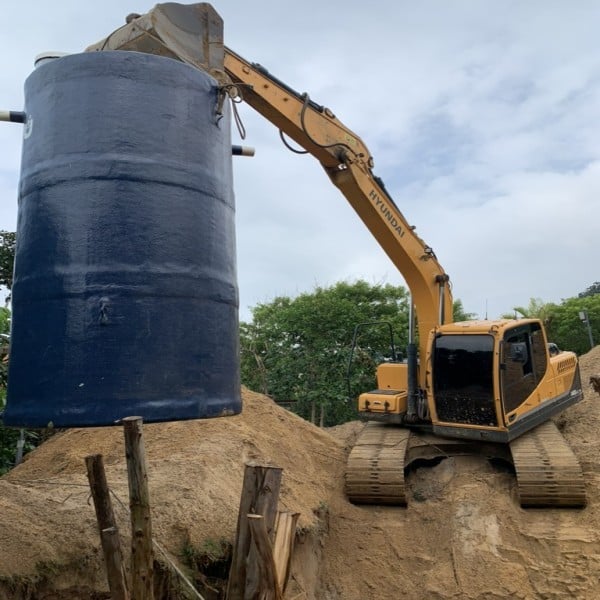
142	559
268	587
115	568
260	493
283	547
107	526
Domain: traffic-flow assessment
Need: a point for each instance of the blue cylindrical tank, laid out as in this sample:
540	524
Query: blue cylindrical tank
125	297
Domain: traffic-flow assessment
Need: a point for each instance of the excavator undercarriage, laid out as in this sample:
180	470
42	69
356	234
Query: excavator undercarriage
547	472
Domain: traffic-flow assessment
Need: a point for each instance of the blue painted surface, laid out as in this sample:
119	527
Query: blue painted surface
125	297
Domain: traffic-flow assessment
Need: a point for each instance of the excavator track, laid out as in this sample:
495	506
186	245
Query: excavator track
548	473
375	468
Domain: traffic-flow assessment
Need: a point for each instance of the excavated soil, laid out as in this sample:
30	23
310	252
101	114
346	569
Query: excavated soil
463	535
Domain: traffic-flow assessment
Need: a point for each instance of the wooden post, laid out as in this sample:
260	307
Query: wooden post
142	559
267	586
283	547
260	493
107	526
115	567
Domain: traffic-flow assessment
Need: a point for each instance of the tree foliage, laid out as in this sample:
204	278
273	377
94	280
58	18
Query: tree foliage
459	313
4	347
8	437
591	291
297	350
562	321
536	309
7	257
565	327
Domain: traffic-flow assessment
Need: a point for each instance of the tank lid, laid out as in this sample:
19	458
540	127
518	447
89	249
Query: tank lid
47	56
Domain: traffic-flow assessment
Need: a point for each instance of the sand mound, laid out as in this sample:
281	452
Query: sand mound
195	471
463	535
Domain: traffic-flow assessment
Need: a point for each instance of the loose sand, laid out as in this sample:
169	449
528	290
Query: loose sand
463	535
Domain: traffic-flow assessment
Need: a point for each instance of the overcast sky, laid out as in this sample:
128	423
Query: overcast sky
482	118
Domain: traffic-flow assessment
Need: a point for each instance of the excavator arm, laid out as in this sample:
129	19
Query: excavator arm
348	164
191	33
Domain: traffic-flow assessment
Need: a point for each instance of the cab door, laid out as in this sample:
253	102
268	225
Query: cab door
523	364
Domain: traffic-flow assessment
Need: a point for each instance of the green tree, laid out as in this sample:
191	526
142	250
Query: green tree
8	437
7	261
458	312
565	328
297	350
536	309
4	347
7	257
591	291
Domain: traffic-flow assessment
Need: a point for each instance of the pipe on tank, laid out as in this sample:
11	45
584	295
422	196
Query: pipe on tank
242	150
13	116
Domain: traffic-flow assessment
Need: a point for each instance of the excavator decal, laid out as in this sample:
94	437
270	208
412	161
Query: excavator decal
386	212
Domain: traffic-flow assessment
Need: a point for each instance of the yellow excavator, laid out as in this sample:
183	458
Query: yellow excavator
489	387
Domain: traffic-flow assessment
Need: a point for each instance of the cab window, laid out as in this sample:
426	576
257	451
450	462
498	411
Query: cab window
524	363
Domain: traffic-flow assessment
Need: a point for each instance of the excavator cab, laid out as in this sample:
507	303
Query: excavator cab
485	380
494	381
463	379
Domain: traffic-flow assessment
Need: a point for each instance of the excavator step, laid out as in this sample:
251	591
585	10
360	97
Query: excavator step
375	468
548	473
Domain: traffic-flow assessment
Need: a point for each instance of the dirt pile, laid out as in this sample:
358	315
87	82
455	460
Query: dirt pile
195	470
463	535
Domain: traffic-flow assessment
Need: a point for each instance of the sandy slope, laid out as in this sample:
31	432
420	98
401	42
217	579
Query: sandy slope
462	536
